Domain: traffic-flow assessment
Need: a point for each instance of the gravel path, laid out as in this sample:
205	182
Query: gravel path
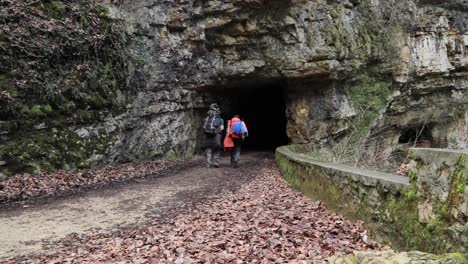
199	215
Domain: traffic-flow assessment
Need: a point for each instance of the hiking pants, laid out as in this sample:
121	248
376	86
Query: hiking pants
212	155
235	151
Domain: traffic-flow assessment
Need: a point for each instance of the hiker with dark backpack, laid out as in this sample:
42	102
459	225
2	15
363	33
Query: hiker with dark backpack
237	130
213	125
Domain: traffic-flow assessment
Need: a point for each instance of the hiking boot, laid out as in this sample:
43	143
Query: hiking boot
208	166
235	165
216	165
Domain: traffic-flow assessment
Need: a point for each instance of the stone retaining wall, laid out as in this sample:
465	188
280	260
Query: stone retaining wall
388	204
391	257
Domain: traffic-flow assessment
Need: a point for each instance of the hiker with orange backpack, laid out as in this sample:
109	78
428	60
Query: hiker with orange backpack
237	131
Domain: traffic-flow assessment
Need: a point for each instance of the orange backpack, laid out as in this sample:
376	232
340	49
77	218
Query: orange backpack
235	134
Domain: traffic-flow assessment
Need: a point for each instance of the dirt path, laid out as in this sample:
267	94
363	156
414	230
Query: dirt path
30	229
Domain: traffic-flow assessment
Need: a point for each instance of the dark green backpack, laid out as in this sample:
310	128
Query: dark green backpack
211	124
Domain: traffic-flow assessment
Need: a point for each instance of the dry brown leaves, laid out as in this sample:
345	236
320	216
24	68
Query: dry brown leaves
404	169
264	222
26	186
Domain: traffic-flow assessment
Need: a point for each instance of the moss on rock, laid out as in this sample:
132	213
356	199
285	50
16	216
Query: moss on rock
72	76
414	235
6	86
102	10
391	257
50	149
461	176
391	217
54	9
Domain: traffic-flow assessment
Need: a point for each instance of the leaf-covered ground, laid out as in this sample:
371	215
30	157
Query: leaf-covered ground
264	221
22	187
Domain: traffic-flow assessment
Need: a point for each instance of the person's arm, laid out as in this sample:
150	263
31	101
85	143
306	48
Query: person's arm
245	132
221	127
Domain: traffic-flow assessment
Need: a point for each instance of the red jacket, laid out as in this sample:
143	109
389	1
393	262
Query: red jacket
230	129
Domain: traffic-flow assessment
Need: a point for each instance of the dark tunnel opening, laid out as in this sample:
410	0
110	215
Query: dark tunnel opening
417	136
263	109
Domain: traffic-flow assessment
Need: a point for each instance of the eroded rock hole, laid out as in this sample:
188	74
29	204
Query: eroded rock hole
263	108
420	136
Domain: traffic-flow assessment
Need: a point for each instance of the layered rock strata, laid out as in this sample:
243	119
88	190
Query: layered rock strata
365	78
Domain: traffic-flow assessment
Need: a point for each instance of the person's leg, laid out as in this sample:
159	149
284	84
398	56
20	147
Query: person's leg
233	154
216	157
209	153
238	152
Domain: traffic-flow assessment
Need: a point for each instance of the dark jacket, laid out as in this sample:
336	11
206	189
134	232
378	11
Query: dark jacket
214	140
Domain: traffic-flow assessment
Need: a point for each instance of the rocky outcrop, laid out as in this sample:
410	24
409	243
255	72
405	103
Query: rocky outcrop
74	94
361	73
422	103
62	67
440	179
432	98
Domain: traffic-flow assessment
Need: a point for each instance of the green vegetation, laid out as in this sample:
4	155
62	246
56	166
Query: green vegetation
373	48
57	88
171	155
415	235
47	109
24	109
103	11
50	149
54	9
36	111
370	93
369	96
311	182
461	176
459	257
84	20
413	177
6	87
137	57
54	146
107	72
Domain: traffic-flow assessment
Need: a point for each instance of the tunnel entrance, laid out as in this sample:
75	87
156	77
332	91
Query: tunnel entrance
419	136
263	108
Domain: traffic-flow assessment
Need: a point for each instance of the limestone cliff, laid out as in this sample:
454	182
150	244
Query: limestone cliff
360	76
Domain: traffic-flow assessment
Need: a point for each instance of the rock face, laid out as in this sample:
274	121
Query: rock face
440	178
366	73
61	69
